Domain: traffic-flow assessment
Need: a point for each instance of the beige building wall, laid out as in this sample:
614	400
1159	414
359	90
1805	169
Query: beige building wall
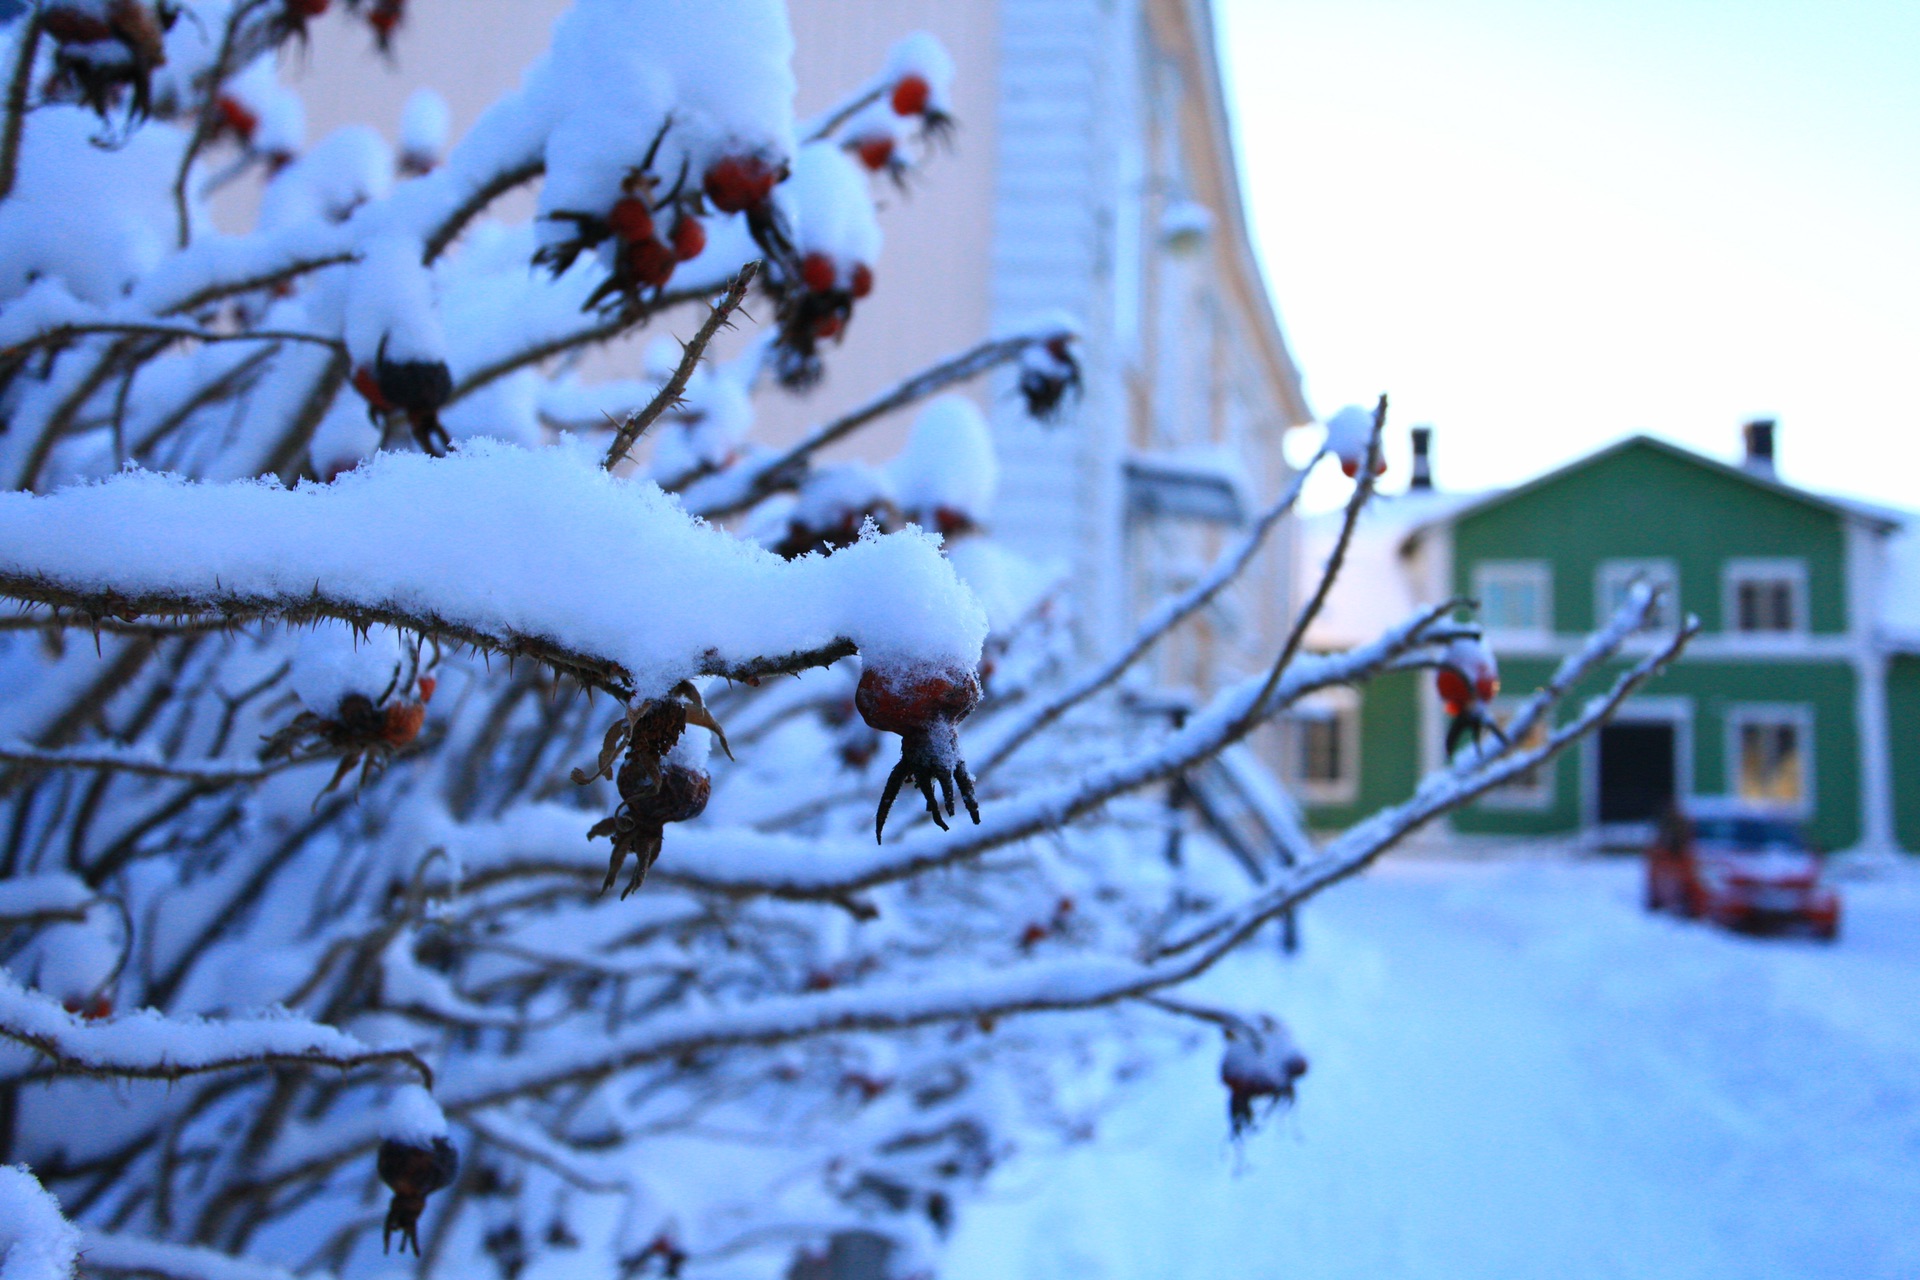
922	309
1080	123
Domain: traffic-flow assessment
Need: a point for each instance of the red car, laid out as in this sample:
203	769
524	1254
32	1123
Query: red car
1740	869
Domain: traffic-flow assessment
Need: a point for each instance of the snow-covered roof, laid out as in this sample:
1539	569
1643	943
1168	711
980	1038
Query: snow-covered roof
1375	589
1884	520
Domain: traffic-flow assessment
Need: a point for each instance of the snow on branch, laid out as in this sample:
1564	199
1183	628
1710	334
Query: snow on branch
49	899
109	1254
530	553
147	1046
1028	987
741	863
1475	773
36	1240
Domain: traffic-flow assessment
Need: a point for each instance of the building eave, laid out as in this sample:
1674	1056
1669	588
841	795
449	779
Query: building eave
1874	520
1194	45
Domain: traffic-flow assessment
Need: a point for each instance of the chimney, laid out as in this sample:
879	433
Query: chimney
1759	437
1422	481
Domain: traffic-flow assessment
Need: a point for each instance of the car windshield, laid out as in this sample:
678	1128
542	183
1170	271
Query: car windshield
1748	835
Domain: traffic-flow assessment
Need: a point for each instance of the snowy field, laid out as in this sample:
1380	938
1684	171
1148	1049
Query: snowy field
1516	1073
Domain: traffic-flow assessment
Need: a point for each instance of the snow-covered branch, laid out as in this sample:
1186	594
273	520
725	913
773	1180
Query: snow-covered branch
108	1253
147	1046
535	554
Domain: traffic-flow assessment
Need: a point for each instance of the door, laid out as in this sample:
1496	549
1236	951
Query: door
1637	761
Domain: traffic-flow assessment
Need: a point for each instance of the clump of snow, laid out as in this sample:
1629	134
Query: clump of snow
36	1240
74	962
346	169
921	54
425	123
331	662
536	542
832	209
93	218
722	68
413	1117
390	306
948	463
279	115
1349	433
1470	656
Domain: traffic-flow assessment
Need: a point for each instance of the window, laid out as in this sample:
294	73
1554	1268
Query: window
1765	597
1326	747
1617	577
1514	595
1769	755
1532	789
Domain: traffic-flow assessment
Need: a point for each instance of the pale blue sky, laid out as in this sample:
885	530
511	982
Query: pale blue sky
1544	224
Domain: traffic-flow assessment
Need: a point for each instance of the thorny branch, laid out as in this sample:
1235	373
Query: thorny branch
77	607
720	317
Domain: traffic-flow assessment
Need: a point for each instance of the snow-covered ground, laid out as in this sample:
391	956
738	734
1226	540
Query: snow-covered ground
1516	1073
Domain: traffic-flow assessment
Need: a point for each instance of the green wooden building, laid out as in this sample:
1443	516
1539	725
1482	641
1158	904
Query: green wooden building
1801	694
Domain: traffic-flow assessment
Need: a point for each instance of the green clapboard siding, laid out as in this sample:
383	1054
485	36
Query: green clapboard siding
1389	750
1644	500
1713	689
1903	744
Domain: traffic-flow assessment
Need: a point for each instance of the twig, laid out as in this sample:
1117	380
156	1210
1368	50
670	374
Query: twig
60	335
1362	493
209	115
718	318
1170	615
467	210
17	86
760	479
141	765
545	349
280	275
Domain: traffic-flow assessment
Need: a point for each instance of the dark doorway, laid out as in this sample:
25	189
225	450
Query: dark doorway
1636	771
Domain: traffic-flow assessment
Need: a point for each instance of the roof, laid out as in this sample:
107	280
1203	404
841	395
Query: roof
1879	518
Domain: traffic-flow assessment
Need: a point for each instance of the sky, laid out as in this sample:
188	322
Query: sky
1542	225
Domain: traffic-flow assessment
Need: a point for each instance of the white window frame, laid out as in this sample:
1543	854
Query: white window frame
1343	707
1536	573
1516	796
1789	569
1800	716
1614	576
